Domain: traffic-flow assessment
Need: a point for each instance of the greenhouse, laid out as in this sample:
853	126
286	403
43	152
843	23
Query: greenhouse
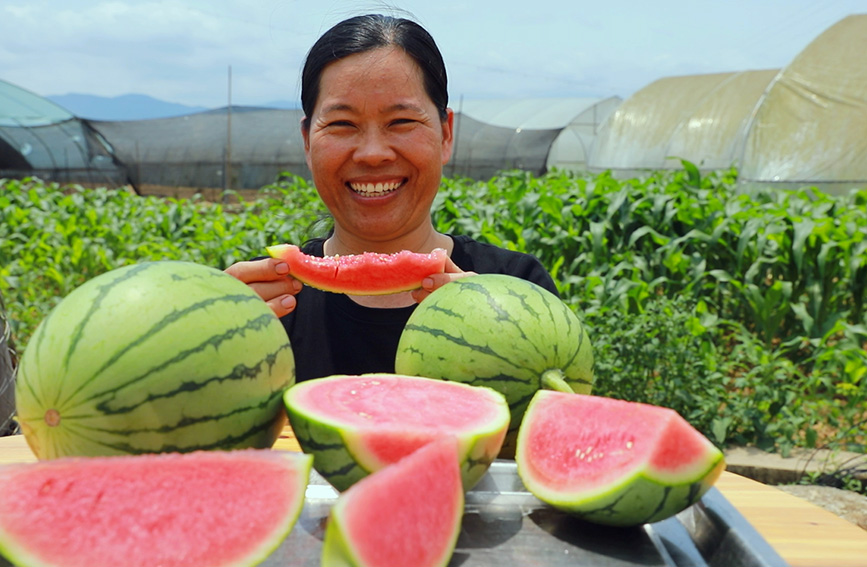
700	118
38	137
811	125
245	147
576	120
239	148
802	125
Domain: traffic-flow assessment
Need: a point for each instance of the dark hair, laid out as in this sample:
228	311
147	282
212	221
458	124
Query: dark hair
364	33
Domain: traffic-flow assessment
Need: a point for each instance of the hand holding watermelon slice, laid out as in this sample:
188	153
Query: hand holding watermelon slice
270	279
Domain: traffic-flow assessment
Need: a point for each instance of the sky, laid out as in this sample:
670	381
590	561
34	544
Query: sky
181	51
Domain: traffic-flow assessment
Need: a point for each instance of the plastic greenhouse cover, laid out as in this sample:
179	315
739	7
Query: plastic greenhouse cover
803	125
19	107
701	118
810	127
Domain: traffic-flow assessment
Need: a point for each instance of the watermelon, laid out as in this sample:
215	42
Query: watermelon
214	508
155	357
611	461
369	273
502	332
407	514
355	425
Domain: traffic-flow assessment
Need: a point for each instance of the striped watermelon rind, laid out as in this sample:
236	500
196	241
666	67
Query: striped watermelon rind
502	332
341	451
155	357
654	487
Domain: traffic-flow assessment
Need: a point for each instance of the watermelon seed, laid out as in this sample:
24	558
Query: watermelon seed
52	418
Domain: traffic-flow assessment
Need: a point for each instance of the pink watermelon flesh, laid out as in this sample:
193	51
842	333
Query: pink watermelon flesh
581	442
171	510
369	273
395	415
406	514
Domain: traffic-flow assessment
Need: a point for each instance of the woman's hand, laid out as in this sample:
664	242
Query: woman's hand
270	279
435	281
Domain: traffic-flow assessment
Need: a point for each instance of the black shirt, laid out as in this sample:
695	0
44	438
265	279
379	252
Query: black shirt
331	334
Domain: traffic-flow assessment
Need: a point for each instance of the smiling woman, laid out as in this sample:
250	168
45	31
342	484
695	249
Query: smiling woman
377	131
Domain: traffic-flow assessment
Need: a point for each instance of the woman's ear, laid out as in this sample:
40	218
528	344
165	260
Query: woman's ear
305	132
448	126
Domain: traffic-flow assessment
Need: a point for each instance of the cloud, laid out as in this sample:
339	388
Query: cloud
180	50
175	50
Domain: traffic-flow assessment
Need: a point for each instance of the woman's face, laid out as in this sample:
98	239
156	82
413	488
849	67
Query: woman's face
375	145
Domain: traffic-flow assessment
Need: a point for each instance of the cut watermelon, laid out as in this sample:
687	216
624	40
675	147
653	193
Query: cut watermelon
408	514
209	508
611	461
369	273
355	425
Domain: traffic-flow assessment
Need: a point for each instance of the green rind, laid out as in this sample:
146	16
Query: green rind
331	457
127	370
302	464
635	500
336	551
501	332
340	457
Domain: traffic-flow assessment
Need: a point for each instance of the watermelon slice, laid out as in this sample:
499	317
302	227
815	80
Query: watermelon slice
611	461
209	508
369	273
355	425
424	498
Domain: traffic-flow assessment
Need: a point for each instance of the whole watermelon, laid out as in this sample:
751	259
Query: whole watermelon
502	332
155	357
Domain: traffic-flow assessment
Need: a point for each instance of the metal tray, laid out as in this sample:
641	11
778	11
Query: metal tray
506	526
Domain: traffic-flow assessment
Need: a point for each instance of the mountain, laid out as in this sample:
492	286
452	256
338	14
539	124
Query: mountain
124	107
137	106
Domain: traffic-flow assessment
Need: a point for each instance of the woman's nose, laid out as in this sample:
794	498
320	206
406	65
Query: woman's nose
373	148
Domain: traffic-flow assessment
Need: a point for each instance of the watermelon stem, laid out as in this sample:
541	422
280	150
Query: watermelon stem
553	379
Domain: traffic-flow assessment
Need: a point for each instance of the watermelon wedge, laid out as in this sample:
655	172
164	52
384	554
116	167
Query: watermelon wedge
611	461
355	425
209	508
369	273
408	514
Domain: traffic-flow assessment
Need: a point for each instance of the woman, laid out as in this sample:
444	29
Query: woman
377	131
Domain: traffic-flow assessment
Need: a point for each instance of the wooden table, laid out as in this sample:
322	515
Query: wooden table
804	534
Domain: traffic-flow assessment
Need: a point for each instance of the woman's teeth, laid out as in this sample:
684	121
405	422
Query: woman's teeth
374	189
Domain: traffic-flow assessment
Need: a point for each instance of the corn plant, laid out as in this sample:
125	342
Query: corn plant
743	310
